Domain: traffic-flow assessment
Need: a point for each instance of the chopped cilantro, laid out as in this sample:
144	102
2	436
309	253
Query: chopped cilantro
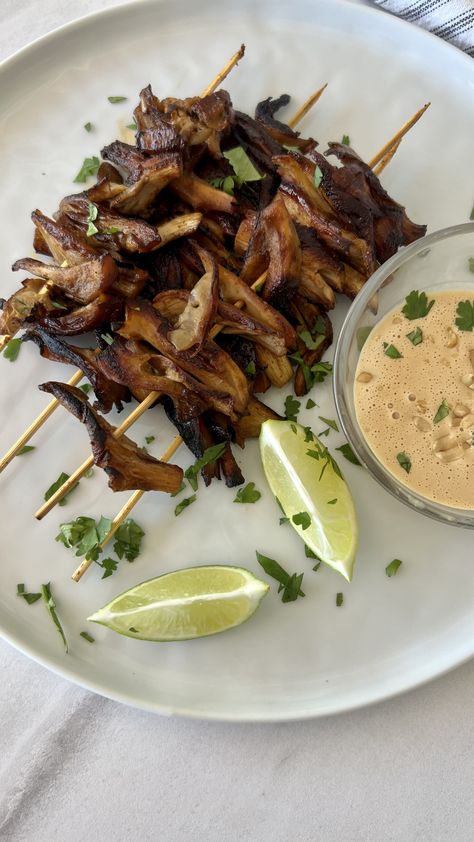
132	126
149	439
180	489
318	177
404	461
302	519
86	388
248	494
330	422
289	584
62	478
348	453
26	449
311	344
226	183
415	336
441	412
184	504
88	127
316	566
51	608
391	351
321	453
12	349
308	552
87	637
91	217
89	167
30	598
107	338
109	566
84	535
128	538
339	599
211	454
242	165
346	140
416	305
362	335
465	315
115	99
392	568
332	502
310	404
292	407
250	369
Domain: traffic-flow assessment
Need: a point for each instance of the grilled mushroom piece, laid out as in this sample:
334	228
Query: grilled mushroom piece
81	282
128	466
107	392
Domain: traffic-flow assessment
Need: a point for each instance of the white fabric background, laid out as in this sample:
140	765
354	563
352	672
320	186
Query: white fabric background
75	767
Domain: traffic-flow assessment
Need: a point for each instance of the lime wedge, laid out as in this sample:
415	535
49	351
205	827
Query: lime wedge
185	604
311	486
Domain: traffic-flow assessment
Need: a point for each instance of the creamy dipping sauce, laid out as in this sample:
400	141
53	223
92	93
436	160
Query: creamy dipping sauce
416	411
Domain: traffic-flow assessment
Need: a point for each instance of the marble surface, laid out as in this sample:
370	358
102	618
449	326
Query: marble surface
76	766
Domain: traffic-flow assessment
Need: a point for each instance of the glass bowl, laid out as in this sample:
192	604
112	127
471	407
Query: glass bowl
438	261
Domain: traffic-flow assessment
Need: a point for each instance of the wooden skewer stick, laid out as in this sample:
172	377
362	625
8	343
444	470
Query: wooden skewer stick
395	140
35	425
224	72
312	100
387	158
40	420
125	511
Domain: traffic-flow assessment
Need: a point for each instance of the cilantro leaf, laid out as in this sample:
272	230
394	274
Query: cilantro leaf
465	314
391	351
184	504
88	127
346	140
392	568
317	177
310	404
330	422
56	485
128	540
30	598
115	99
332	502
302	519
91	217
132	126
339	599
109	566
149	439
84	535
86	388
348	453
87	637
292	407
26	449
226	183
51	607
311	344
309	553
416	305
12	349
211	454
89	167
242	165
321	453
290	584
415	336
441	412
404	461
316	566
250	369
180	489
248	494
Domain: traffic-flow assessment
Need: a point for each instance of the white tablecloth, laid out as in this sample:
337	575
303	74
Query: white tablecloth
75	767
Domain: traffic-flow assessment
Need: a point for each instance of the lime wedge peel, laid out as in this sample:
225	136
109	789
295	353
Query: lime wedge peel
184	604
300	484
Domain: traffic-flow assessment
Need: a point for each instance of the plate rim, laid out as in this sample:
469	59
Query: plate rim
95	686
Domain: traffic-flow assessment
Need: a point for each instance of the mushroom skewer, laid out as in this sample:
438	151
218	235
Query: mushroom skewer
380	161
78	375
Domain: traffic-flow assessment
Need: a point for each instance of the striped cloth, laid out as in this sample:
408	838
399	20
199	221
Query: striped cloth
452	20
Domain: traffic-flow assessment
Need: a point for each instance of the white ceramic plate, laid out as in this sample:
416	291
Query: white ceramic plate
289	661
